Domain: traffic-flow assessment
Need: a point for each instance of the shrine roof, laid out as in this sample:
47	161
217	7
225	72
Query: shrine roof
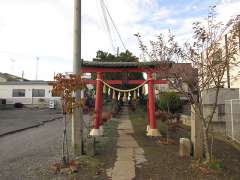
98	64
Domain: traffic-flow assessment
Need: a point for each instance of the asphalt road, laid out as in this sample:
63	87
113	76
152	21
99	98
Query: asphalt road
12	120
29	154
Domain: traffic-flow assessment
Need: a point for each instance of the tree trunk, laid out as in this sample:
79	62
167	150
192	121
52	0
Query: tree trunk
206	146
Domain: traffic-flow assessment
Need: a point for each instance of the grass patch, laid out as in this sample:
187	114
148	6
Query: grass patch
216	165
109	139
110	129
106	148
95	167
139	120
89	162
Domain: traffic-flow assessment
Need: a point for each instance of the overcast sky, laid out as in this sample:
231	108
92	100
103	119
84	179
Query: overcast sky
44	29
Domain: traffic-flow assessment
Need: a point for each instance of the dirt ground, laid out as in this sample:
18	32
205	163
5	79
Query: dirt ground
163	161
38	153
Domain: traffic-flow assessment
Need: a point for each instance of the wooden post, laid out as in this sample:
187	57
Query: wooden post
196	133
227	60
153	131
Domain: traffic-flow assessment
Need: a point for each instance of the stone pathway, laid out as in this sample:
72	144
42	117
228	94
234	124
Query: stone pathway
129	153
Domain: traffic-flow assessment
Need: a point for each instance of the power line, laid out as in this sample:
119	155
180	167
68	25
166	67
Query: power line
105	13
107	24
115	26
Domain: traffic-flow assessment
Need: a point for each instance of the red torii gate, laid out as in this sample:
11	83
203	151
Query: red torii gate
108	67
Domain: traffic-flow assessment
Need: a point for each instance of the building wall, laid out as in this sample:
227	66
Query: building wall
6	92
209	95
235	74
209	99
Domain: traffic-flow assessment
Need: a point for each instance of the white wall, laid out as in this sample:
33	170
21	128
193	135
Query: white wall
208	96
209	99
6	93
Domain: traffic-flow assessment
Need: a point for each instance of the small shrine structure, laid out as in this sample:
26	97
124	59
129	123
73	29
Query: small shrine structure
124	67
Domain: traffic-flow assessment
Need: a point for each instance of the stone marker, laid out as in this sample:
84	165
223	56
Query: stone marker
184	147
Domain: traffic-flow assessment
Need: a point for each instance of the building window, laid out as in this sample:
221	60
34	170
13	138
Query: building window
38	93
221	109
18	93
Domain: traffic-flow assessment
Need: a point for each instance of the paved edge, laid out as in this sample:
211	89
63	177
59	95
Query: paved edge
30	127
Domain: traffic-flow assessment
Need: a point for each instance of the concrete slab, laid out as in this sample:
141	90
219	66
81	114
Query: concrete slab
123	170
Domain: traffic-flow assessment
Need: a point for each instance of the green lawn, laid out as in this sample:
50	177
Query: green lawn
139	121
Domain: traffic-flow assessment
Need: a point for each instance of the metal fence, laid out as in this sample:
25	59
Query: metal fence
232	117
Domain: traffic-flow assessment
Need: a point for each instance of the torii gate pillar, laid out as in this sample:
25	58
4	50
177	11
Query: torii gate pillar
152	128
97	123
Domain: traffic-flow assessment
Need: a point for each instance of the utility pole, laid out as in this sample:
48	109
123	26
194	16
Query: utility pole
227	61
37	61
117	51
22	75
239	36
77	117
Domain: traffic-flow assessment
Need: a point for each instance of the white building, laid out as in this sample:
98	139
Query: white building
26	92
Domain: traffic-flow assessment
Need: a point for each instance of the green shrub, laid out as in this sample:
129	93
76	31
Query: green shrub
169	100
